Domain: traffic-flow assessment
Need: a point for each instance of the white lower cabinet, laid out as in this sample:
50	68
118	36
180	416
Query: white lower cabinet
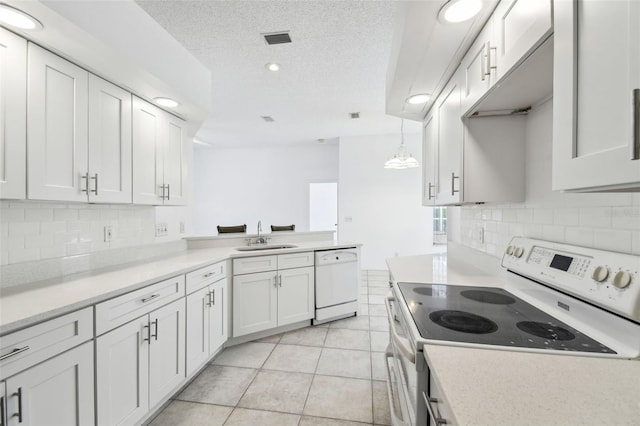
275	297
59	391
140	363
206	323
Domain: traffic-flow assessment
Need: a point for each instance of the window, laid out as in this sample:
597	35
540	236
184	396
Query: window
439	220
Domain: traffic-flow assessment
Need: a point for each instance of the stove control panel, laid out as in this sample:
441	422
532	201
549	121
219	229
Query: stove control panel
608	279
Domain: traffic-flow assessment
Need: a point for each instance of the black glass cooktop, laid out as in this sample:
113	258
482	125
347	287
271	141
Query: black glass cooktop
490	316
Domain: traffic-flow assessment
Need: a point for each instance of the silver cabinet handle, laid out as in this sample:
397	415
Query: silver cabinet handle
280	279
95	178
147	299
85	178
213	297
432	412
431	186
209	299
635	155
155	334
275	281
208	275
168	192
14	353
403	344
484	61
453	179
162	188
148	338
19	413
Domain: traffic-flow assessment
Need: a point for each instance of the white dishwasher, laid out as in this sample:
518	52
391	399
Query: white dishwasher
337	278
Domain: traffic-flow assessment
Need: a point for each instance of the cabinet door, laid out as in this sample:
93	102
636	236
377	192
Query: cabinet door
295	295
56	128
476	71
519	27
255	302
218	316
147	153
596	123
429	160
198	332
109	142
57	392
175	164
166	350
122	374
13	118
450	142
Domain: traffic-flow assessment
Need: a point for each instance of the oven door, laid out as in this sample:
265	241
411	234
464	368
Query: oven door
401	368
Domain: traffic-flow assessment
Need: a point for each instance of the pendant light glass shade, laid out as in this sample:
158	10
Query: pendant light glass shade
400	159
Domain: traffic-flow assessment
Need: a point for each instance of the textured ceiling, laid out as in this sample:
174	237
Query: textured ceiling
336	64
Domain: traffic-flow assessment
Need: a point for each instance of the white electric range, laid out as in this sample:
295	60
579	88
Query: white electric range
558	299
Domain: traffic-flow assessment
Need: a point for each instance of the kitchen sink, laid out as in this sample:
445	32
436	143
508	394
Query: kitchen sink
266	247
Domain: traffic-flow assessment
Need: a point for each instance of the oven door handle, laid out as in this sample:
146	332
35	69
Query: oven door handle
395	419
400	342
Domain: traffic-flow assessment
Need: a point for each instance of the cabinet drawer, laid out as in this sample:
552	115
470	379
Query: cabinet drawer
115	312
247	265
295	260
204	276
24	348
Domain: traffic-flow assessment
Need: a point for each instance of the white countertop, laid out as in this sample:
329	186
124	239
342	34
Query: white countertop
499	387
29	304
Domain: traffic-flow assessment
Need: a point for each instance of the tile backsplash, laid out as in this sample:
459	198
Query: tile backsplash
38	230
609	221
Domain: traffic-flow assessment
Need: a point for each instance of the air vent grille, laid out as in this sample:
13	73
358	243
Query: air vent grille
277	38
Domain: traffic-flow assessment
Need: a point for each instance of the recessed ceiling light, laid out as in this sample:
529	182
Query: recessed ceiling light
272	66
18	19
418	99
166	102
455	11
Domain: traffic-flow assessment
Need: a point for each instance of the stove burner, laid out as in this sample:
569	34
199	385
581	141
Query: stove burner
425	291
465	322
545	331
488	297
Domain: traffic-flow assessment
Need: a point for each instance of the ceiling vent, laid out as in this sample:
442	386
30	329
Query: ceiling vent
267	118
354	115
277	38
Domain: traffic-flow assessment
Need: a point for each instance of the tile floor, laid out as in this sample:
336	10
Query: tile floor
328	375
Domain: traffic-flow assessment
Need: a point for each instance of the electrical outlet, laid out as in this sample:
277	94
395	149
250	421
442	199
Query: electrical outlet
108	233
162	229
181	227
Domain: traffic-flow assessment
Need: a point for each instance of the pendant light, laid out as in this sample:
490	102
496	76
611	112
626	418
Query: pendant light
400	159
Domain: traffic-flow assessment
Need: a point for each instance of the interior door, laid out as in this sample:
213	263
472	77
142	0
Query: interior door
109	142
56	128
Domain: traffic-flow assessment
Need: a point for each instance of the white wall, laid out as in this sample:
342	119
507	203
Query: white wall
608	221
382	208
237	186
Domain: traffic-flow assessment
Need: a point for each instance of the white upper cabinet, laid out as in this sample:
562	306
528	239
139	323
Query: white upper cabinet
159	159
79	133
109	142
450	134
56	128
429	160
519	26
596	105
13	120
476	69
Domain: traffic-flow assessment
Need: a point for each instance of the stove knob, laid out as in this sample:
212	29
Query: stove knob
600	274
519	251
510	250
622	279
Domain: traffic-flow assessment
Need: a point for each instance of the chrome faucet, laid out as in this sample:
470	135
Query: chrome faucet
260	240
